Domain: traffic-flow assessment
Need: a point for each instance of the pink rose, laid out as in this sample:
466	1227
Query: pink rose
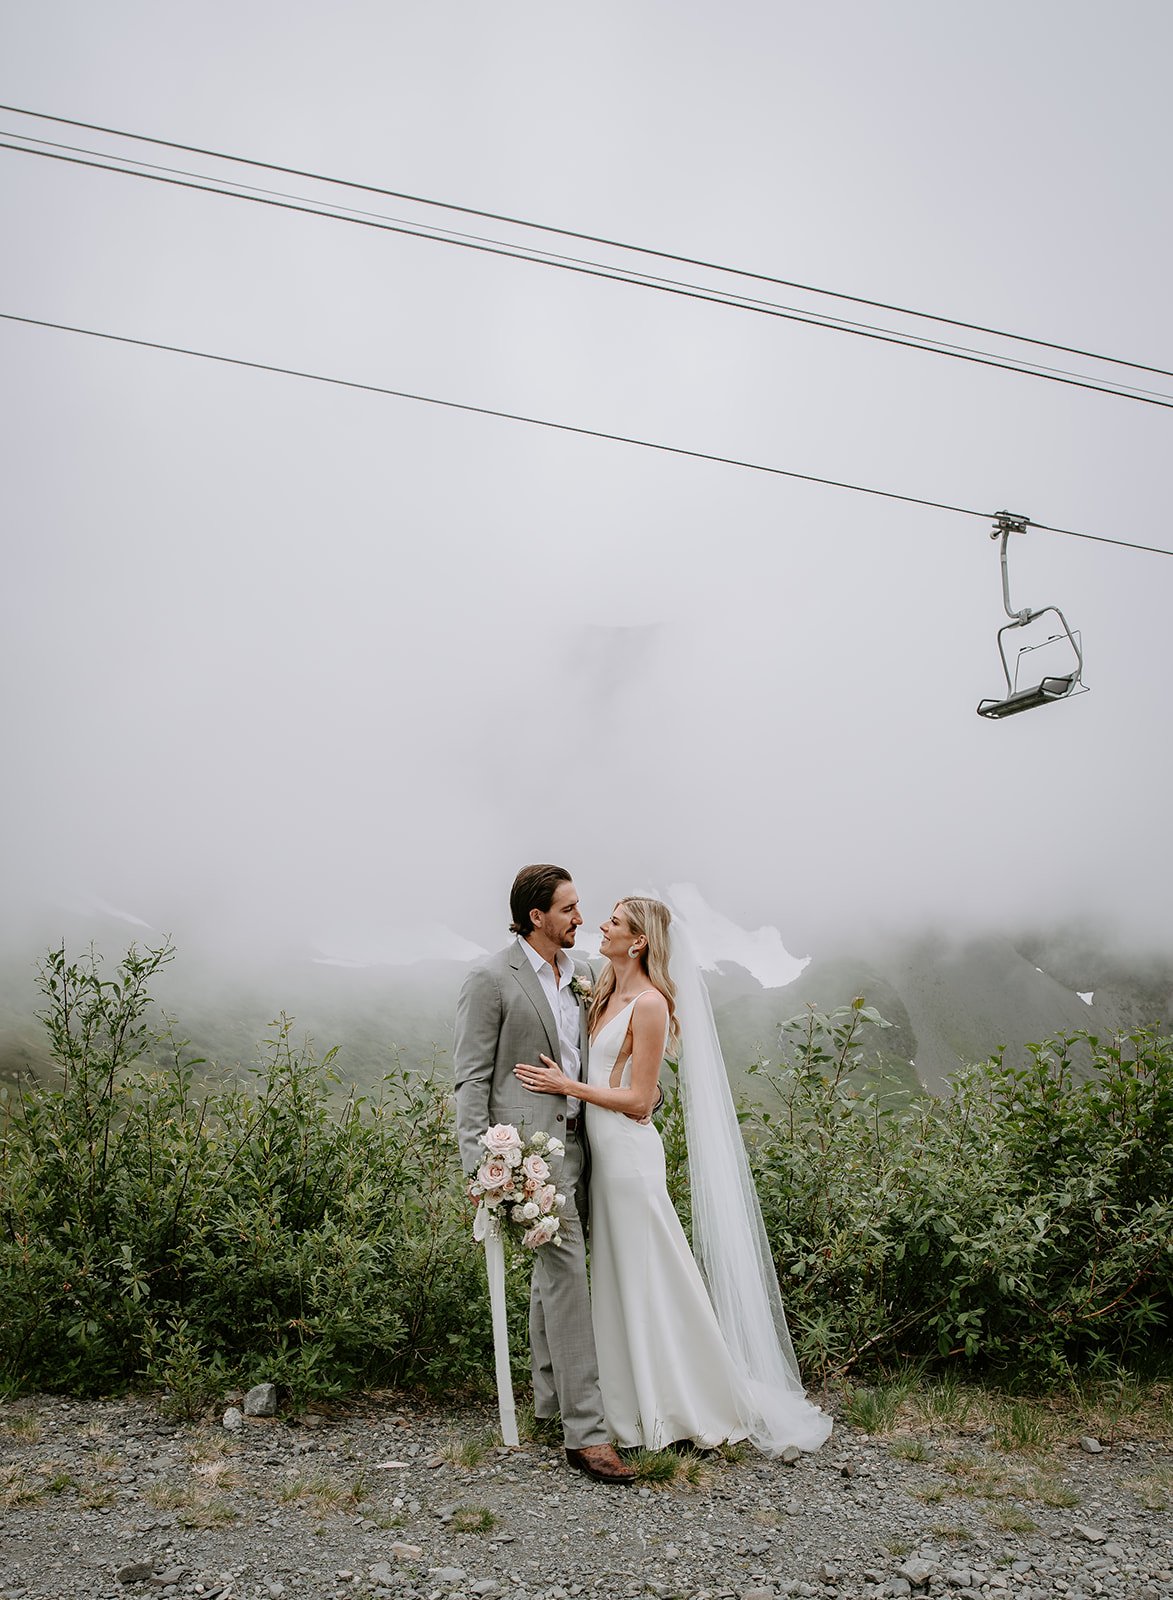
494	1173
541	1233
534	1167
547	1195
501	1138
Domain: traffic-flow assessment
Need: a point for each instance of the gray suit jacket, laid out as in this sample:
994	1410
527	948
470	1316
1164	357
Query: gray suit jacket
503	1017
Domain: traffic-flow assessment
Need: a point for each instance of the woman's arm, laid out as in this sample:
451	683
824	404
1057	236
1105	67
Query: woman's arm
649	1018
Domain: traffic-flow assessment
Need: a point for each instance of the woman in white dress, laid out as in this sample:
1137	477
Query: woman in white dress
679	1359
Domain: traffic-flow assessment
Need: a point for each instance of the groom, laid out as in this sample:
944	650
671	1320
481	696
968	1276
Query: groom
518	1006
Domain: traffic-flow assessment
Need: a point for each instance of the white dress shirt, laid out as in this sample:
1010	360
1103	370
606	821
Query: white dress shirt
565	1010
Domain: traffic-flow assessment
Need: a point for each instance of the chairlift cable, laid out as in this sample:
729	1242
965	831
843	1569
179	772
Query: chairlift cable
558	427
1100	538
302	203
1142	397
588	238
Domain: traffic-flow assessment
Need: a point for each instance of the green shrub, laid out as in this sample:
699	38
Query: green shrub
246	1232
1022	1223
158	1225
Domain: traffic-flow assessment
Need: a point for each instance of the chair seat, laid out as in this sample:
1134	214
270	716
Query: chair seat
1039	694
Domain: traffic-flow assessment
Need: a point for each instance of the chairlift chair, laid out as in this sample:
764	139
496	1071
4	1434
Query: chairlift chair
1060	686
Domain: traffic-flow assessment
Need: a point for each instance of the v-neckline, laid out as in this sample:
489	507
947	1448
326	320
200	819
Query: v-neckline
602	1030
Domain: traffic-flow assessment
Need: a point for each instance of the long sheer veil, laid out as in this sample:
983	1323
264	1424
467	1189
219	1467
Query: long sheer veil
728	1235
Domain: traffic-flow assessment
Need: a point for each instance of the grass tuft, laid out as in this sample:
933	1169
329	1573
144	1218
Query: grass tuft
1050	1491
214	1513
23	1425
466	1453
321	1491
665	1467
1011	1519
96	1496
655	1466
1155	1491
17	1488
973	1477
1026	1427
954	1534
913	1449
875	1410
932	1495
944	1403
473	1519
165	1495
209	1446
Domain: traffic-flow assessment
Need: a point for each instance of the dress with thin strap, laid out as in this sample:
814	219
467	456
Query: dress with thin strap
664	1368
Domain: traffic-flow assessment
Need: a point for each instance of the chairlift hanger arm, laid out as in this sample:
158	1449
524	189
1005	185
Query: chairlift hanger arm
1006	523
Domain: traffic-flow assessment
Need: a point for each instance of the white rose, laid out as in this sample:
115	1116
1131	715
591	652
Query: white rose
500	1138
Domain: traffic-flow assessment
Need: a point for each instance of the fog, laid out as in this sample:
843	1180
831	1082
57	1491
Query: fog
291	666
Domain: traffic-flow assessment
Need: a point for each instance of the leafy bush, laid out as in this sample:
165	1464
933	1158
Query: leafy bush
156	1225
1022	1223
246	1232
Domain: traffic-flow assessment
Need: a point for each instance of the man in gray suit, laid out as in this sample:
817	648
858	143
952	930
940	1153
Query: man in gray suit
517	1006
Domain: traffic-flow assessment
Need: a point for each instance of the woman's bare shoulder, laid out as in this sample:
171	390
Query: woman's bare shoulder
651	1004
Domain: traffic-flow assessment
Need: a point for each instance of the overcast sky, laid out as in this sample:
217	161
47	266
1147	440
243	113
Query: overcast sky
285	662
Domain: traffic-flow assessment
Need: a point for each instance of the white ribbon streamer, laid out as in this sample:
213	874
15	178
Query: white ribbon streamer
495	1267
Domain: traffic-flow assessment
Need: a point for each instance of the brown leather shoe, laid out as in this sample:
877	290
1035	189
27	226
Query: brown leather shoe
600	1461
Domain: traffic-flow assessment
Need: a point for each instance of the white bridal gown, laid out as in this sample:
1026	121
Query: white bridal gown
664	1368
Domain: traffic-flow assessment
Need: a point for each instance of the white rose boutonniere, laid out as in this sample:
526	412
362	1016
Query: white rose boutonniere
581	988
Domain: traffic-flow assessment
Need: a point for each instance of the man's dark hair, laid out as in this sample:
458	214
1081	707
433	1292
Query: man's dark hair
533	889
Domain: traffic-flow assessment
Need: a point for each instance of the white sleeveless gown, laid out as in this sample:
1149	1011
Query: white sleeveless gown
664	1368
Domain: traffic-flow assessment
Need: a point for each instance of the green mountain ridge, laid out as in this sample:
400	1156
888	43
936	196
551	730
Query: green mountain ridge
948	1002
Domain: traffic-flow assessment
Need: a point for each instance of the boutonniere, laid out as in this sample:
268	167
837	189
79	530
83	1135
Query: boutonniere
581	988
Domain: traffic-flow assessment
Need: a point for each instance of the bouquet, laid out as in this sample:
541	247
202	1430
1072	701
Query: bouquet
512	1188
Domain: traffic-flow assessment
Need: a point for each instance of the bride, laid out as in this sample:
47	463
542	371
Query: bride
681	1356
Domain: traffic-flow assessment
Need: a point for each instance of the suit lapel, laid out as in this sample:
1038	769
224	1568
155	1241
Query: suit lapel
528	979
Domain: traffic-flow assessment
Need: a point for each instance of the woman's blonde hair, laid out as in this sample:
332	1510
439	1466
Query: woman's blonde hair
651	918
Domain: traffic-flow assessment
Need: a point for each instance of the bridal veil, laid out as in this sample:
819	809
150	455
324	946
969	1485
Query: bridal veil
728	1234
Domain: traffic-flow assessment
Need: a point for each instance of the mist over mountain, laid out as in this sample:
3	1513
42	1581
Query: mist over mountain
949	999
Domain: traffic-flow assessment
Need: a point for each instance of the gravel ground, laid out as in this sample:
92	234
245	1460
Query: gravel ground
106	1499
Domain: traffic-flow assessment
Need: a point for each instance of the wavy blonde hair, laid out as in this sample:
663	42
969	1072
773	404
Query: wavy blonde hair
651	918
